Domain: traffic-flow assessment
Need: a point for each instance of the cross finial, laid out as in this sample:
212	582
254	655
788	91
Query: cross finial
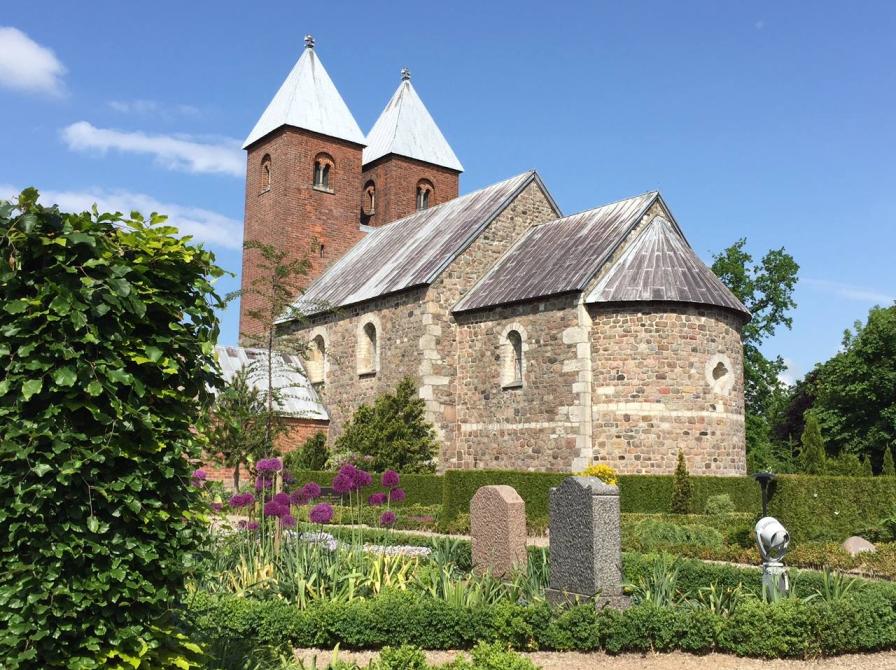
309	41
405	74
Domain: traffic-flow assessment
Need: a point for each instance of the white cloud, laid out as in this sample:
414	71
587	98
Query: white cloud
851	292
153	108
791	373
171	151
203	224
27	66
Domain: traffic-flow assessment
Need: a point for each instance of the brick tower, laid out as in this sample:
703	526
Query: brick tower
408	164
303	177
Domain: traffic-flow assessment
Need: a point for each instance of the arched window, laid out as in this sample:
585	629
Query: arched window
424	194
323	166
369	204
368	351
513	365
317	360
266	173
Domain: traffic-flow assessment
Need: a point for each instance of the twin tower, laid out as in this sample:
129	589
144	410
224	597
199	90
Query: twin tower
315	183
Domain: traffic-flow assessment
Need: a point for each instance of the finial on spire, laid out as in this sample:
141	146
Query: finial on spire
309	41
405	74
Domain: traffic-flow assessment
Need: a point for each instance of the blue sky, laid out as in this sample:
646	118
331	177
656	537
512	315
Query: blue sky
769	120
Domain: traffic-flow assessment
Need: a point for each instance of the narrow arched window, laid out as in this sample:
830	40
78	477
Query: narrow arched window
368	353
266	173
512	364
323	166
424	194
317	360
369	204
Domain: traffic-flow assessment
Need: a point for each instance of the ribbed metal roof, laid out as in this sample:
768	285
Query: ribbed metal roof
309	100
661	266
558	256
406	128
297	396
412	251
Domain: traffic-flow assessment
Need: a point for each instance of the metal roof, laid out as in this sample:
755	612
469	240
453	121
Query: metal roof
309	100
406	128
297	396
558	256
661	266
412	251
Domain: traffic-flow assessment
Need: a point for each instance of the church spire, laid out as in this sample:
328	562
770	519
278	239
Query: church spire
406	128
308	99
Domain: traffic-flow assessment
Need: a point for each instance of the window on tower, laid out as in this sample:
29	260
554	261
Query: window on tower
323	166
424	194
369	204
266	173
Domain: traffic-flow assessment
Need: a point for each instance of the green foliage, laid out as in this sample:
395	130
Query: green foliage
108	330
393	433
312	455
651	534
856	389
812	454
888	468
681	487
719	505
845	465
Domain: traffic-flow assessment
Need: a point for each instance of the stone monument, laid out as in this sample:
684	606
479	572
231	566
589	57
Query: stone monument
585	541
498	530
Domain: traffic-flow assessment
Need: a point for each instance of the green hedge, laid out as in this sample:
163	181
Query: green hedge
421	489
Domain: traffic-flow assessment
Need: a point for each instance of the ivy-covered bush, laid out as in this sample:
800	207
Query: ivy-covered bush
311	455
106	351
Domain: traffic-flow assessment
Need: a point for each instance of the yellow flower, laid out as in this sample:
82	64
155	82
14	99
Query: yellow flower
603	472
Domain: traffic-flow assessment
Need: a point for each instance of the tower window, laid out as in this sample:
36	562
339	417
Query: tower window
317	360
424	194
368	352
266	173
323	165
369	204
512	362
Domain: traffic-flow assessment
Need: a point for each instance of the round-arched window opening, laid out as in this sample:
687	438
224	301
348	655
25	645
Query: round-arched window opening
368	204
323	167
266	173
719	374
424	194
719	371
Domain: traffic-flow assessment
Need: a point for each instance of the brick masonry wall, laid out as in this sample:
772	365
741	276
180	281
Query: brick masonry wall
530	427
291	213
654	389
396	179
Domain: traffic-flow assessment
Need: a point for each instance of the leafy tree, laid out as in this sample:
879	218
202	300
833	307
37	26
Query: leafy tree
108	328
856	389
766	289
681	487
393	433
312	455
889	468
237	427
812	456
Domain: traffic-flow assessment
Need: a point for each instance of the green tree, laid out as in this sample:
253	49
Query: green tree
681	487
108	330
766	289
889	468
856	389
812	455
393	433
236	427
312	455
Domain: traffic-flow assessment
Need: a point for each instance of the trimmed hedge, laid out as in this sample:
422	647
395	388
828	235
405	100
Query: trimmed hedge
421	489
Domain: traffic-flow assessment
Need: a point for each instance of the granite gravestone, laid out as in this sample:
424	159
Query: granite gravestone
585	543
498	530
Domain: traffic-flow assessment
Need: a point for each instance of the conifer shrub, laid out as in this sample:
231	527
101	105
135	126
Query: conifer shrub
889	467
108	332
719	505
681	487
812	454
312	455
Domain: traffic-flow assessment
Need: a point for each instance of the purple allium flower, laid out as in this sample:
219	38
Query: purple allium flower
311	490
269	465
241	500
299	497
217	507
397	495
362	479
273	508
287	521
199	474
388	518
342	484
282	499
321	513
262	483
377	498
247	525
287	477
390	479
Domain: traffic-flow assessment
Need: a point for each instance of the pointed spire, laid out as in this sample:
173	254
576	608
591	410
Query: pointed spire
308	99
406	128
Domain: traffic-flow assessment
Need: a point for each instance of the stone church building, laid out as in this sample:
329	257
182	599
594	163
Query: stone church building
538	341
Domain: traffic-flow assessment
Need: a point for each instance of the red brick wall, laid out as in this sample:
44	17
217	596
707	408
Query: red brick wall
396	179
298	430
291	213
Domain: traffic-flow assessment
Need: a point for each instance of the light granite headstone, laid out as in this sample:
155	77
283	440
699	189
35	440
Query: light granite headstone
498	530
856	545
585	543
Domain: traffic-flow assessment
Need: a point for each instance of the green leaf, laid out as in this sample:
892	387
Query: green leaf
16	306
92	524
153	354
65	376
31	387
94	388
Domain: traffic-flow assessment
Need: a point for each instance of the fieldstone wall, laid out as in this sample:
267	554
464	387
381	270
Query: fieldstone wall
667	377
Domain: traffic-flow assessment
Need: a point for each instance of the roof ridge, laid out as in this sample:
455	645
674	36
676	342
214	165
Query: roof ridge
594	209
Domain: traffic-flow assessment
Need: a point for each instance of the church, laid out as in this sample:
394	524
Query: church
538	341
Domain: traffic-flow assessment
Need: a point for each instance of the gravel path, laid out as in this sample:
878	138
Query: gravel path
674	661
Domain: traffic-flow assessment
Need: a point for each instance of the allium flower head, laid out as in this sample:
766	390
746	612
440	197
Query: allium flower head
321	513
247	525
269	465
390	479
273	508
282	499
397	495
287	521
378	498
361	479
311	490
299	497
388	518
217	507
343	483
241	500
200	475
261	483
